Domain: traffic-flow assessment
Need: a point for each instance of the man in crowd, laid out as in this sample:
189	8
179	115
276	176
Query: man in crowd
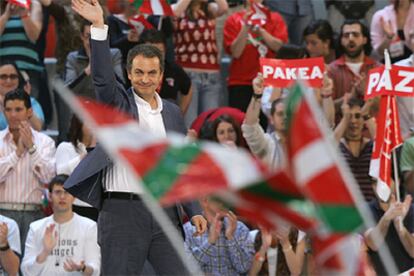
349	72
26	162
9	246
356	148
268	147
78	72
226	248
398	237
63	242
176	84
128	232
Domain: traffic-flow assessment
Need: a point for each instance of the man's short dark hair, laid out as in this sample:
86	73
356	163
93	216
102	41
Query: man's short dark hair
152	36
147	51
352	102
18	94
57	180
82	24
364	31
274	104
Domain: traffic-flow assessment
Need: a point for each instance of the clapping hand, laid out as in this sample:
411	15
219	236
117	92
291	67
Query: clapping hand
50	239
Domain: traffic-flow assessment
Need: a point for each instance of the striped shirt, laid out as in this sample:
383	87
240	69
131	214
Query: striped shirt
359	166
21	178
15	45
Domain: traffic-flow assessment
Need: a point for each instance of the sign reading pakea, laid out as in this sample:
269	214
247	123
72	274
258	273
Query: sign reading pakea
283	72
398	81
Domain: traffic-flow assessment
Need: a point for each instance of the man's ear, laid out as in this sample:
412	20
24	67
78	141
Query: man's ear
30	112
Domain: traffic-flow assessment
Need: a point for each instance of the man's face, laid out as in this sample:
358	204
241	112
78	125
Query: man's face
145	75
16	112
61	200
278	118
315	46
355	125
85	37
9	79
352	40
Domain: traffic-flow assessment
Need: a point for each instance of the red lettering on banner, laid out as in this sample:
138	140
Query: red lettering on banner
398	81
283	72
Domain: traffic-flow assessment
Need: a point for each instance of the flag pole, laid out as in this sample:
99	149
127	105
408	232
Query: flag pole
349	180
160	23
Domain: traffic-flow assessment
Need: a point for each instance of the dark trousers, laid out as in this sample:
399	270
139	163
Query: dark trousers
128	235
240	96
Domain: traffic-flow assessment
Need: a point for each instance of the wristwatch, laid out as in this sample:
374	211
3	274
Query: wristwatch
5	248
32	149
256	96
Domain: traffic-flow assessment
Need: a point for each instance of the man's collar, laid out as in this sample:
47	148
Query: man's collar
142	102
341	60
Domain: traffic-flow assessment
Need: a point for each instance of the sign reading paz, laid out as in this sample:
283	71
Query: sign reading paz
283	72
398	81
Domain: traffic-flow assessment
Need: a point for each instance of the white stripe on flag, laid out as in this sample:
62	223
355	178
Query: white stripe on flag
157	7
374	167
238	166
383	190
311	161
128	135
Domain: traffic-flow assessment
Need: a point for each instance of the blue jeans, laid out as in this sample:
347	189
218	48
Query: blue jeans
206	94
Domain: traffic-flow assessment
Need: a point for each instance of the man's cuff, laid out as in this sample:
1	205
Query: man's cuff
99	33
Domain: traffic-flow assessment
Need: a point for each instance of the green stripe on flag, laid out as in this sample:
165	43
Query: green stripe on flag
295	96
340	218
138	3
174	162
263	189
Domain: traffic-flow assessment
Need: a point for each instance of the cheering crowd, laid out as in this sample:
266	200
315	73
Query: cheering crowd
67	208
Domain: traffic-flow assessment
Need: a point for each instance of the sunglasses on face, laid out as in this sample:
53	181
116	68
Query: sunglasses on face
11	77
356	115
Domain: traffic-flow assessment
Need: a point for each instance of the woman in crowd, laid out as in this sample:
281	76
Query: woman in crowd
19	30
391	28
223	130
247	40
10	79
68	156
279	253
196	51
319	40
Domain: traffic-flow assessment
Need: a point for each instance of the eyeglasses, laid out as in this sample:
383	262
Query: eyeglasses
356	115
11	77
60	192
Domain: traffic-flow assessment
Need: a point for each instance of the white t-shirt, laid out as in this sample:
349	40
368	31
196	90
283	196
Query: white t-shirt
77	239
355	67
13	237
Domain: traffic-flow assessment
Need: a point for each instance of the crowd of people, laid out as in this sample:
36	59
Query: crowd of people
67	208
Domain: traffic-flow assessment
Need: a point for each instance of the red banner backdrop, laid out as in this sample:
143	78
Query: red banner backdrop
283	72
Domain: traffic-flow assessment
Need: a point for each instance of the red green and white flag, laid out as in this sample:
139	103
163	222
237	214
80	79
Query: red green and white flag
21	3
325	179
155	7
140	23
315	165
388	137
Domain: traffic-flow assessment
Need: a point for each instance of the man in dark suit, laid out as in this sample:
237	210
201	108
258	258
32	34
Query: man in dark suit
127	232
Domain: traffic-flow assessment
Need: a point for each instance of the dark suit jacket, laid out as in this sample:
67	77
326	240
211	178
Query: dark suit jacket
86	180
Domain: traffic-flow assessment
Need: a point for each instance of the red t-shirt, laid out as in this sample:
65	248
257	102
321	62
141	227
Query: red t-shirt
195	44
244	69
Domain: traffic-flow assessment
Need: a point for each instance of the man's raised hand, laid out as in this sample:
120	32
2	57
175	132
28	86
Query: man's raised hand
90	11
